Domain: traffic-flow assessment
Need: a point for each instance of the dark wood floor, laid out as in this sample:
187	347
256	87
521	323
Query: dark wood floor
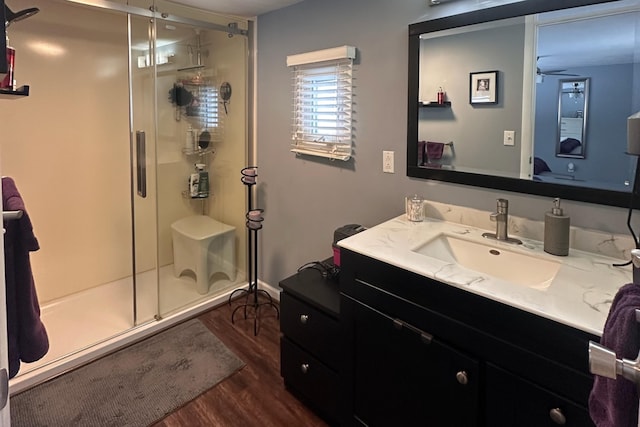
253	396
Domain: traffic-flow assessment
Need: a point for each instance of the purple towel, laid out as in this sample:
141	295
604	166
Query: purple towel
614	403
27	335
422	153
434	150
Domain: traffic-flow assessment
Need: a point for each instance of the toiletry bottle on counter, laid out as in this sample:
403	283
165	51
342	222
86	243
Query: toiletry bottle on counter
199	182
556	230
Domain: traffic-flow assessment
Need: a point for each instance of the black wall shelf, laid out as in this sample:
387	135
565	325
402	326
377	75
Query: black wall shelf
10	94
446	104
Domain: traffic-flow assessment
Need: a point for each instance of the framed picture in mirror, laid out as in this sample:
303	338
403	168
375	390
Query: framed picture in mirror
483	87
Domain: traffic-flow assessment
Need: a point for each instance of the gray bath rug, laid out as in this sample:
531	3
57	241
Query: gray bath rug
134	386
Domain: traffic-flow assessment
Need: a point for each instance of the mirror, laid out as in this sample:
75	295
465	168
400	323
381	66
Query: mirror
544	54
573	102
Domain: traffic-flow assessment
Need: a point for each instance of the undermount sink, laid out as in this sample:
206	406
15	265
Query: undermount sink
487	259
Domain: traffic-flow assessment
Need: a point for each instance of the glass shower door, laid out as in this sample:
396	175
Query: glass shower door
180	123
198	58
143	117
169	89
189	129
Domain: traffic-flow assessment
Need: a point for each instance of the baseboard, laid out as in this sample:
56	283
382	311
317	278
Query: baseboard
274	292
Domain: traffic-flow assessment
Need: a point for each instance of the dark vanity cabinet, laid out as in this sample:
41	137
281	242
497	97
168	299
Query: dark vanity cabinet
309	346
402	375
419	352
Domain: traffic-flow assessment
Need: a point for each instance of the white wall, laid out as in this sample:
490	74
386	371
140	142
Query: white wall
307	199
68	145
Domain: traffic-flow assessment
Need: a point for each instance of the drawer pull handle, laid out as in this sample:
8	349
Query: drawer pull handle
397	323
304	318
304	368
557	416
426	338
462	377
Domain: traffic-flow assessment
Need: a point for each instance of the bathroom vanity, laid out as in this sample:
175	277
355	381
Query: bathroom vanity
427	341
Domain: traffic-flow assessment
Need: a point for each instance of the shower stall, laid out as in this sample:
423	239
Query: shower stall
126	97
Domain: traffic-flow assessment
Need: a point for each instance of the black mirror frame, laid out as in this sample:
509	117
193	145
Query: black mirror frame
526	7
3	39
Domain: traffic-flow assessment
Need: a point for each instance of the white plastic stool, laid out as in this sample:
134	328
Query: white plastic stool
203	246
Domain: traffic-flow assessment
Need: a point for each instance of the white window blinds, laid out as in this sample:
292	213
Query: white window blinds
322	102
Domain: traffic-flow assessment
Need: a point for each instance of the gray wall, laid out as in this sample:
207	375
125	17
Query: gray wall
306	199
447	62
610	103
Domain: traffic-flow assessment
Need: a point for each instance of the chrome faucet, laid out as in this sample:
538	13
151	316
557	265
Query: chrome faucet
501	218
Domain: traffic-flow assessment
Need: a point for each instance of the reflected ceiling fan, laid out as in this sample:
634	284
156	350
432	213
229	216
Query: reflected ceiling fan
540	74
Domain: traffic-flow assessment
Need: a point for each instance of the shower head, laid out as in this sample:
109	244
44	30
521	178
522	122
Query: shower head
11	16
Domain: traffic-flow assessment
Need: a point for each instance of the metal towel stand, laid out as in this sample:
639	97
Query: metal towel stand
254	224
603	361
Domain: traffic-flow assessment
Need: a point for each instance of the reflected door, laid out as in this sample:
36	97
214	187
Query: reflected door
4	355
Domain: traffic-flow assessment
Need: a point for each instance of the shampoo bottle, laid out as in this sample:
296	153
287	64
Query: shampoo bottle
556	231
203	181
194	184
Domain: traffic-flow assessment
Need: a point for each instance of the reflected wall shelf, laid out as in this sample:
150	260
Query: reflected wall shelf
446	104
12	94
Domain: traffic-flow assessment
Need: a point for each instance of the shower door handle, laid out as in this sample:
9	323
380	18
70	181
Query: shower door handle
4	388
141	163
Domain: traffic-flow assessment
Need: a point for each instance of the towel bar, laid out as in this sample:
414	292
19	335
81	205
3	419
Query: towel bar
9	215
604	362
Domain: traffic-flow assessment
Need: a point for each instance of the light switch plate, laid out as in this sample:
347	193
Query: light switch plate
509	137
387	161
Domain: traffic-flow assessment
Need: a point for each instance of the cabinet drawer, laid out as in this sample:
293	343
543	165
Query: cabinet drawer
514	402
311	329
306	375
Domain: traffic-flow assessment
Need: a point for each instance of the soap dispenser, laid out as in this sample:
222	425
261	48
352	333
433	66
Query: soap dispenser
556	231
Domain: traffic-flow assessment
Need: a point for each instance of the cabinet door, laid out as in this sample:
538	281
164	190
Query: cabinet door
514	402
403	378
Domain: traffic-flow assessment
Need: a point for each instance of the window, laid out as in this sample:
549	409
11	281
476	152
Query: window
209	108
322	102
199	99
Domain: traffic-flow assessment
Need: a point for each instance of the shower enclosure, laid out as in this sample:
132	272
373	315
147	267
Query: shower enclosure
100	151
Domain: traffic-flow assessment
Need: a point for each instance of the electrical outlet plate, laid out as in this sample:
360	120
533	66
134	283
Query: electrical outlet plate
387	161
509	137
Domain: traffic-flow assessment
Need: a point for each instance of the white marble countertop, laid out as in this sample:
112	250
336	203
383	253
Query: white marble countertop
580	295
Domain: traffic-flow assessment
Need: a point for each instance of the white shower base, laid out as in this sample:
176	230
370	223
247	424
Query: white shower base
91	323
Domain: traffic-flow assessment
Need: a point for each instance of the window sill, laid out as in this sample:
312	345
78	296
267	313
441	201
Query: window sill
334	156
